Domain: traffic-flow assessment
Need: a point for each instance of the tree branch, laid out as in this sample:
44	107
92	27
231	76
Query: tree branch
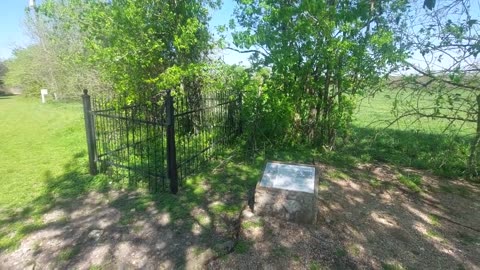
442	80
248	51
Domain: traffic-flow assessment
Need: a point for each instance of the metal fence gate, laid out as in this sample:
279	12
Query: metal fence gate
160	140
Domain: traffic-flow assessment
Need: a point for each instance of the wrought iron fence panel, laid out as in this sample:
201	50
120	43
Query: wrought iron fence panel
159	141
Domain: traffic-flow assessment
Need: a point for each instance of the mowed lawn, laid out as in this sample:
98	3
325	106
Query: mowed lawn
44	141
44	166
419	143
39	143
38	140
376	112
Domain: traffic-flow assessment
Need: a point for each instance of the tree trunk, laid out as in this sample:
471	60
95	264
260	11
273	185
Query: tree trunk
324	130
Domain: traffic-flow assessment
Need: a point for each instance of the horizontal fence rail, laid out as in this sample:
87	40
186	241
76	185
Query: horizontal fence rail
161	141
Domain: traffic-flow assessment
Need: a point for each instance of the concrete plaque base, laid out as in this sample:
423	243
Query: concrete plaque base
287	191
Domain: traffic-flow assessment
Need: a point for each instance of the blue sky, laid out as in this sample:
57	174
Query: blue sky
222	17
12	31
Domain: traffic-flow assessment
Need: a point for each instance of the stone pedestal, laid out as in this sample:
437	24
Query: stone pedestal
288	191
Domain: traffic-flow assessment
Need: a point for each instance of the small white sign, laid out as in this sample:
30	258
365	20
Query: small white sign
43	93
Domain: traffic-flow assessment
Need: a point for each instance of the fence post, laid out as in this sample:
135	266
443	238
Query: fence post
240	113
89	128
171	151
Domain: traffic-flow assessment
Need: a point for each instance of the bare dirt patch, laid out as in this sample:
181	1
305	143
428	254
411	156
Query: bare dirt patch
370	217
110	231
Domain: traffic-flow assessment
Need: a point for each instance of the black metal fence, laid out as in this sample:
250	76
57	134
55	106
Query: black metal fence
161	140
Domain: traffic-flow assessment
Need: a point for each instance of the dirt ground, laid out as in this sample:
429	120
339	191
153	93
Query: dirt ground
361	225
367	220
107	231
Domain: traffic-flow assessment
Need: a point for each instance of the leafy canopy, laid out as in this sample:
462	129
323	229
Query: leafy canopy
321	53
137	46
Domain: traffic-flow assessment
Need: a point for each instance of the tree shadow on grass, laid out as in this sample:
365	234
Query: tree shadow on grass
368	219
73	225
58	192
442	154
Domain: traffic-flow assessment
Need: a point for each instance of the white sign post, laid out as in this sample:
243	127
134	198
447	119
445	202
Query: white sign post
43	93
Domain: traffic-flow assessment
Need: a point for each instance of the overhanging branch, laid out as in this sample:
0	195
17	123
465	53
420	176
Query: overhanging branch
248	51
441	79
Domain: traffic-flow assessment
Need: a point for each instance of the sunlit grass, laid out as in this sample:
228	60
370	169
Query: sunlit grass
420	144
40	142
434	234
412	181
252	224
43	154
377	112
434	220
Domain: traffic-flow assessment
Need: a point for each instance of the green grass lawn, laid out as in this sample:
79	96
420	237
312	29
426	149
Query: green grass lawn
420	144
40	144
376	112
44	165
38	141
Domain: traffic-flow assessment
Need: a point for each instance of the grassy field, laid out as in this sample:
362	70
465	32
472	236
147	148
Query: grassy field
376	112
44	162
420	144
41	144
44	165
37	142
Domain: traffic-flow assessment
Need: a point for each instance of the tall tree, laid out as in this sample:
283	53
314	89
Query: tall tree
139	43
56	60
321	53
26	70
125	45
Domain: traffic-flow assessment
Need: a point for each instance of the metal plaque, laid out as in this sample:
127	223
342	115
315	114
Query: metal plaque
289	177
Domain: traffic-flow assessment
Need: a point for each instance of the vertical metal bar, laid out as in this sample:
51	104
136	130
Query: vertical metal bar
224	119
187	132
202	130
163	151
171	151
90	133
239	114
127	132
161	130
103	136
148	146
134	150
